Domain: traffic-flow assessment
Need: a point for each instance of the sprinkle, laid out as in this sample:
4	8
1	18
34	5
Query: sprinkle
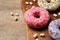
31	3
11	13
34	0
36	39
16	14
42	35
27	2
59	13
35	36
44	4
55	15
56	34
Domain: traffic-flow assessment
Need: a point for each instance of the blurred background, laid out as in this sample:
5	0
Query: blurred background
9	4
9	28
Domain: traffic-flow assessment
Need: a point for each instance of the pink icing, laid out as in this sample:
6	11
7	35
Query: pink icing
36	17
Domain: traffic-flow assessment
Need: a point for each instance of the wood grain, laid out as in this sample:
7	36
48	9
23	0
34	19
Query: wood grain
10	4
11	29
31	31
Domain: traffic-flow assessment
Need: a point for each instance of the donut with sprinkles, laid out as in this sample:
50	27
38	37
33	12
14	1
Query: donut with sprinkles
54	29
49	4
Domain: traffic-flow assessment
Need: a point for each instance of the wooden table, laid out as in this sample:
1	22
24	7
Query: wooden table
30	31
9	28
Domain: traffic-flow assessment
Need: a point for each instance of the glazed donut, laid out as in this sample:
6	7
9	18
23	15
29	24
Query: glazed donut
54	29
36	17
49	4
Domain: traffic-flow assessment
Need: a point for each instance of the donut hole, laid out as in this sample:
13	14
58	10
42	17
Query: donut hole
48	1
36	14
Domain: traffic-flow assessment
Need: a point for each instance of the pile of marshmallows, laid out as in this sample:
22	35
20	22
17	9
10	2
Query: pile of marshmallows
35	36
14	14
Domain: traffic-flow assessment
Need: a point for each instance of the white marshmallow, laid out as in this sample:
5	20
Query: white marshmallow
42	35
31	3
11	13
27	2
59	13
33	6
16	14
35	36
55	15
36	39
16	18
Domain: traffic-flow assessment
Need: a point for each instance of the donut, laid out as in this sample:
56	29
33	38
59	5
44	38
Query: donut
49	4
36	17
54	29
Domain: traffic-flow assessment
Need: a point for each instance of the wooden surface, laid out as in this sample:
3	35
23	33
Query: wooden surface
9	28
10	4
30	31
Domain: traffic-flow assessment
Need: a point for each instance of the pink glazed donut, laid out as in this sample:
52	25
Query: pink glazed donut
36	17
